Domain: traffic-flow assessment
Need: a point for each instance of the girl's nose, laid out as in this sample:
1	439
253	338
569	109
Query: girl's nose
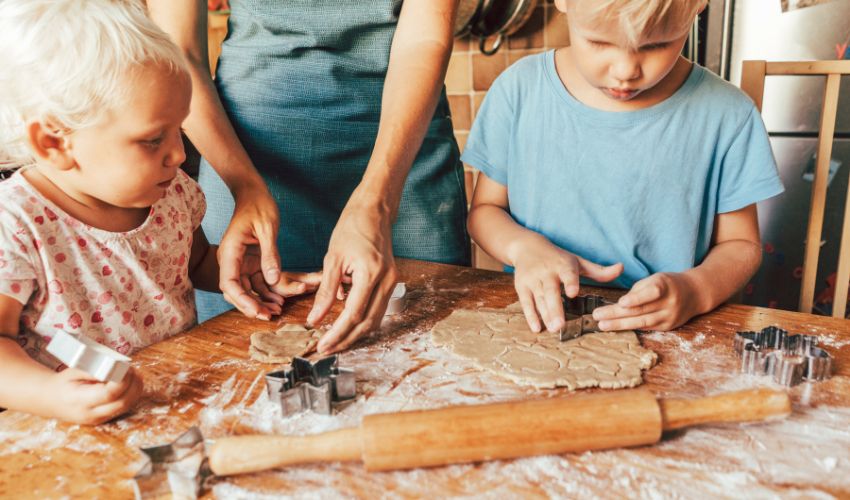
177	153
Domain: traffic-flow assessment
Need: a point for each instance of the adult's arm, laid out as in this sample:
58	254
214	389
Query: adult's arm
256	218
361	243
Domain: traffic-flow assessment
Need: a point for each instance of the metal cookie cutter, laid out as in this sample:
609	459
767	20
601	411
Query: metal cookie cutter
97	360
177	468
579	315
789	359
310	386
397	300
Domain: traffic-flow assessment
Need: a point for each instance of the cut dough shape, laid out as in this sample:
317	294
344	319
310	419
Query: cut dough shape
499	341
281	346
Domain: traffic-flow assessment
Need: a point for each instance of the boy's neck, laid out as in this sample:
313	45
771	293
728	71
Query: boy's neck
593	97
84	208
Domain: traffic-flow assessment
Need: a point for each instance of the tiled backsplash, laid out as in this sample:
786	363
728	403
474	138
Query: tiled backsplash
471	73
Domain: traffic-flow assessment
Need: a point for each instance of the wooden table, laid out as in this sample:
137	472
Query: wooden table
204	378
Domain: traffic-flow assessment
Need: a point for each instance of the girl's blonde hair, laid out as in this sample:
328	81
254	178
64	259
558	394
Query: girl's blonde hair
69	62
636	18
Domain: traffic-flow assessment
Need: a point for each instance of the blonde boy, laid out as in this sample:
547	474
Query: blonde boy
617	160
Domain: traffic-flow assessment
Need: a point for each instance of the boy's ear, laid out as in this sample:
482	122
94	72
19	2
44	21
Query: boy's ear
561	5
49	144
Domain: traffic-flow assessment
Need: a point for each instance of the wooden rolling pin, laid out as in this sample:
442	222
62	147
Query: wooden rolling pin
495	431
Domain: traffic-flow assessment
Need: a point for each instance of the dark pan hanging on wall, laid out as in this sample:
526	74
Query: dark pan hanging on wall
489	18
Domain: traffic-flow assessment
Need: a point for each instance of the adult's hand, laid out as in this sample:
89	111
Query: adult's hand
254	226
361	250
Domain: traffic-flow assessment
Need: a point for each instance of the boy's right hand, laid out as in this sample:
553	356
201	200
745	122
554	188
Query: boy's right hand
540	269
81	399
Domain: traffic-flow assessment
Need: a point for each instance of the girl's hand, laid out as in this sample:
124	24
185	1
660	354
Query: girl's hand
541	269
272	297
77	397
662	301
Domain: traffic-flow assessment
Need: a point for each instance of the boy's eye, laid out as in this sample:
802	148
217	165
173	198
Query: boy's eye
654	46
597	44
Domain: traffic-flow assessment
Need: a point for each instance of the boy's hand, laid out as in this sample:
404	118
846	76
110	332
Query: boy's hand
79	398
540	270
662	301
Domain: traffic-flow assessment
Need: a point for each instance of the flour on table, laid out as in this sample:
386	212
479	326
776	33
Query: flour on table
499	340
281	346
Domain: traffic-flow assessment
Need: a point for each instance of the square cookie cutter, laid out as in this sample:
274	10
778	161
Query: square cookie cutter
398	300
788	359
99	361
579	315
178	469
311	386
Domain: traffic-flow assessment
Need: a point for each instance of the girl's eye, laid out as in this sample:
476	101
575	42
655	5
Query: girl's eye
153	142
597	44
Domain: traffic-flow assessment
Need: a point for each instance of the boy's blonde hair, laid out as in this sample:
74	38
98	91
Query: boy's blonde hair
636	18
69	62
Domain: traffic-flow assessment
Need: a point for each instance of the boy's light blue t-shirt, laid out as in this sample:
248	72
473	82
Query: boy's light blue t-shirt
638	187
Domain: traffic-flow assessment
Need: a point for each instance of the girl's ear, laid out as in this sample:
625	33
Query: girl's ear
50	145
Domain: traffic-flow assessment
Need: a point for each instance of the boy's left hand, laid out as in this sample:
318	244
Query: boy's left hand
662	301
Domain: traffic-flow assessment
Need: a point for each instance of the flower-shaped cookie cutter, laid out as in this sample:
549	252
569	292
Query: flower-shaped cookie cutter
310	386
99	361
788	359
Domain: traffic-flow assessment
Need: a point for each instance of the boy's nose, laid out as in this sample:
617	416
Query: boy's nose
625	69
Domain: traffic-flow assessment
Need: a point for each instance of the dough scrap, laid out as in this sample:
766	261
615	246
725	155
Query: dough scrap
281	346
499	341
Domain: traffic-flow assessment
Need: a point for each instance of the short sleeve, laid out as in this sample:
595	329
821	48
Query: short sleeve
193	197
749	173
488	144
17	273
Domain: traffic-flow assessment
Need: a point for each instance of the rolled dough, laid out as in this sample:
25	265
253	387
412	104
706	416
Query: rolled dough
284	344
499	340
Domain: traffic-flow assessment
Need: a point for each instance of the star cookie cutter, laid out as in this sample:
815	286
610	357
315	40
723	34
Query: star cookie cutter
788	359
311	386
178	468
99	361
579	315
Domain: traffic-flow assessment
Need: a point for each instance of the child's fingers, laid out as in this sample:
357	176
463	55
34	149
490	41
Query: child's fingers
602	274
122	404
643	292
554	306
527	303
292	284
642	322
569	276
258	284
312	280
95	393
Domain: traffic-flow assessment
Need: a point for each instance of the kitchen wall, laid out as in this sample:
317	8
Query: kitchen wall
470	74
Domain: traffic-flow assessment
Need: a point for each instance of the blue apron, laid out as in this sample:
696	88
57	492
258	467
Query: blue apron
301	81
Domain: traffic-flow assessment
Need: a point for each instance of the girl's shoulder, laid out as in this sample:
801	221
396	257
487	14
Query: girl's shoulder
19	199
